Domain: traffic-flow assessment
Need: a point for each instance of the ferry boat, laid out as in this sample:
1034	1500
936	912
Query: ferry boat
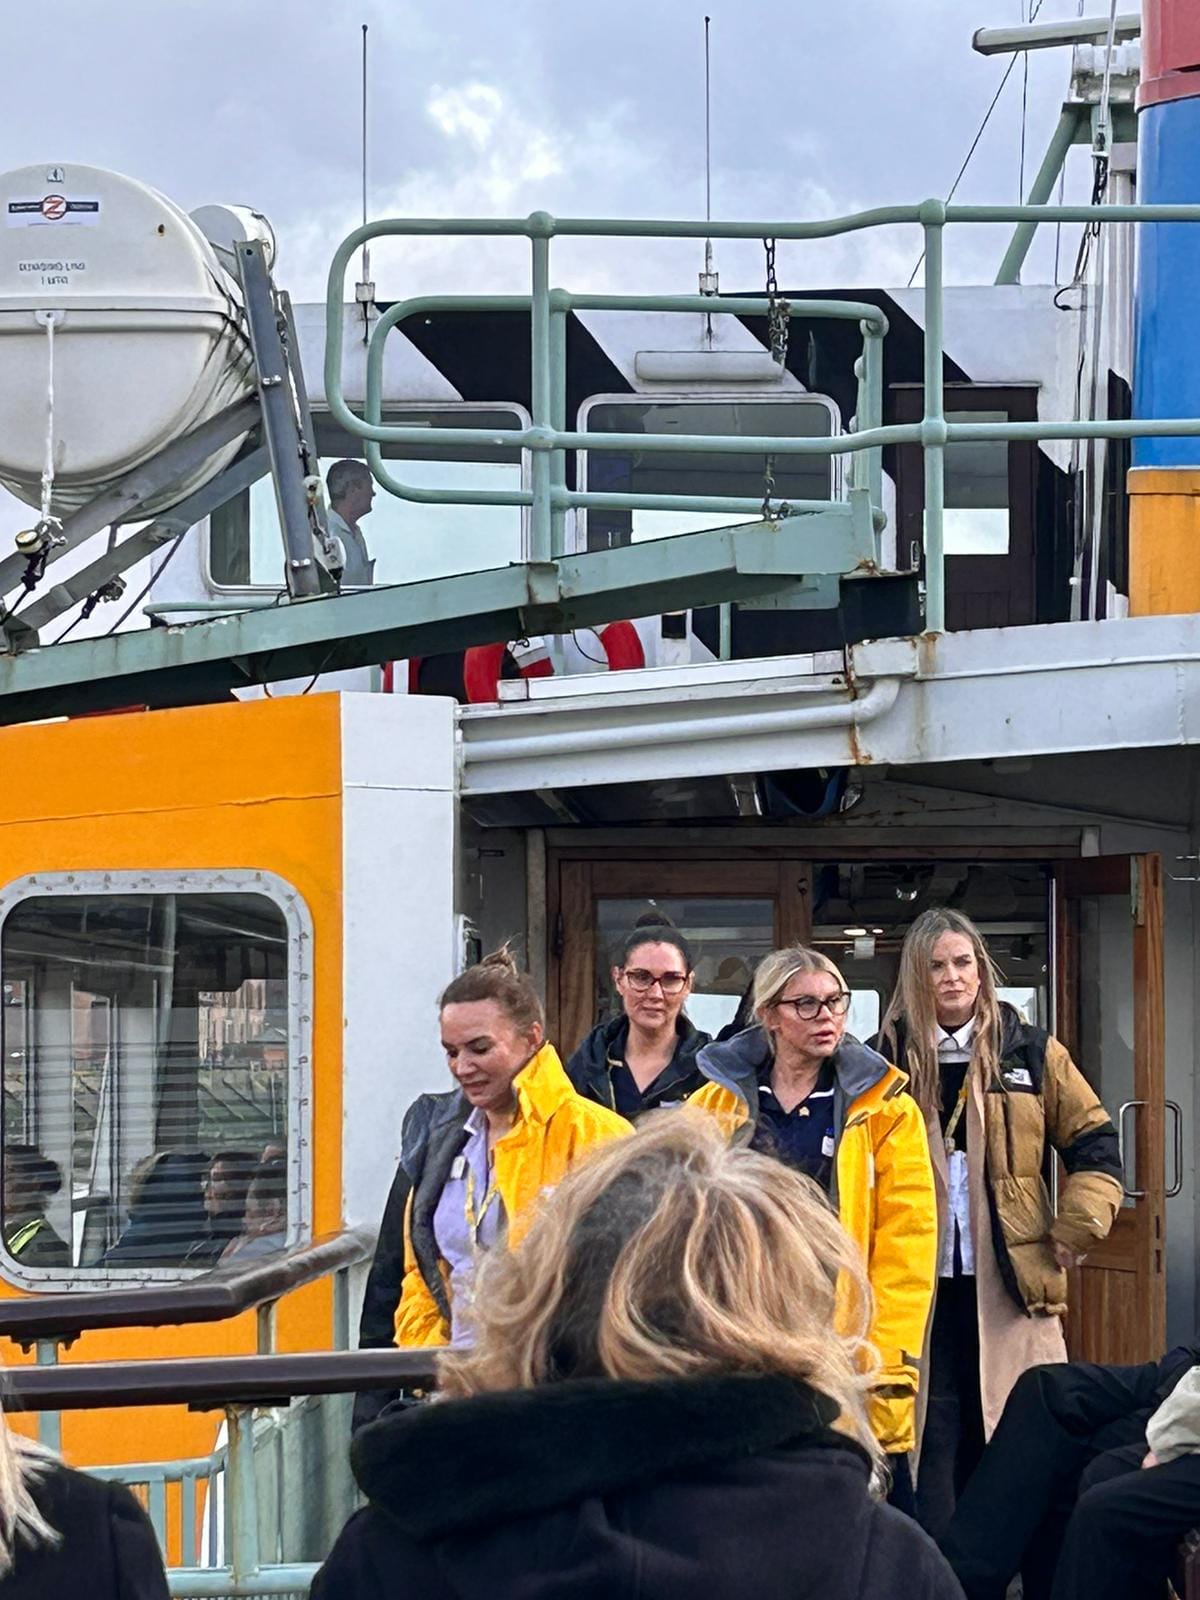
790	612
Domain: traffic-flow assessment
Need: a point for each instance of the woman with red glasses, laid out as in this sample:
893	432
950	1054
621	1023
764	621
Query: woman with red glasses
645	1057
798	1086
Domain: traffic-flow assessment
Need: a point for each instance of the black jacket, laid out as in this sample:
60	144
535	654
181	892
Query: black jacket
107	1549
590	1068
680	1489
432	1135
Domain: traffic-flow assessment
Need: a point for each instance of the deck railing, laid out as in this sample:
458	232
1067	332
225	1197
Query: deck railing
548	438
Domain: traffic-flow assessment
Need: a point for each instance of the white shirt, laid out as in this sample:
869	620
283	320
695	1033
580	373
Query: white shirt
954	1047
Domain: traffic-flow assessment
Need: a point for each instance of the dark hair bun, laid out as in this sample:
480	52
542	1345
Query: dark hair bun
654	918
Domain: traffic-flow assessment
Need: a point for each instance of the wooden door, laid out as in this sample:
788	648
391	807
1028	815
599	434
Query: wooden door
1109	958
731	910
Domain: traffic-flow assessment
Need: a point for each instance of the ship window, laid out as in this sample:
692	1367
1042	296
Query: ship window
407	541
976	517
154	1066
710	473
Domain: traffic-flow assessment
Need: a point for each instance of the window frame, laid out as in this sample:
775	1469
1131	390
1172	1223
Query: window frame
707	397
520	413
298	921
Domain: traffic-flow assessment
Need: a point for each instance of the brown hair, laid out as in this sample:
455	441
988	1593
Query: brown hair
671	1254
913	1002
497	977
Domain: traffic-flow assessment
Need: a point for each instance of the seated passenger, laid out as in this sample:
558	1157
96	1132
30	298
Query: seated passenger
1060	1492
31	1180
798	1088
63	1533
225	1189
166	1211
662	1401
646	1056
475	1160
264	1227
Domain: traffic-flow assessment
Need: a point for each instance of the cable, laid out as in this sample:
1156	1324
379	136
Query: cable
153	579
967	160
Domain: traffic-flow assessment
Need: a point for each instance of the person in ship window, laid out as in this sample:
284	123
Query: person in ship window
31	1180
473	1161
351	491
225	1193
645	1057
264	1227
796	1086
998	1096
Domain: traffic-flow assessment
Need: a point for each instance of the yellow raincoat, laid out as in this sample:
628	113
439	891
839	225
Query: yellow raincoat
887	1204
554	1126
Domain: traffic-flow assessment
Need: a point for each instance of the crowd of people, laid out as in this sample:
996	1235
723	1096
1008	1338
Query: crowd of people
778	1313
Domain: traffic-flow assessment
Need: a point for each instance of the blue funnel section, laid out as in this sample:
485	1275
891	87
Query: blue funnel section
1167	306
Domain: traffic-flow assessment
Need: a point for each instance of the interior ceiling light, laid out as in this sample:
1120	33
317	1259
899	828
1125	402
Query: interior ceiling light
854	933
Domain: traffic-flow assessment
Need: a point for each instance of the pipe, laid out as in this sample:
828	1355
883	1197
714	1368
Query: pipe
878	700
1061	141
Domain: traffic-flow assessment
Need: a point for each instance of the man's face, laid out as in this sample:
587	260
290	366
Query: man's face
361	497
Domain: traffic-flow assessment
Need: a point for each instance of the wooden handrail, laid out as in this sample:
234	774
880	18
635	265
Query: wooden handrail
217	1296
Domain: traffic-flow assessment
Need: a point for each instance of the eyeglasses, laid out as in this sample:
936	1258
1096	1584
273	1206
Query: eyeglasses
641	981
810	1006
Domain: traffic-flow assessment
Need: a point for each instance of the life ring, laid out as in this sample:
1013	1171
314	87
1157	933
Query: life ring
484	665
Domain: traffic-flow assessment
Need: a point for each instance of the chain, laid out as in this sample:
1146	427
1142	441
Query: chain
779	325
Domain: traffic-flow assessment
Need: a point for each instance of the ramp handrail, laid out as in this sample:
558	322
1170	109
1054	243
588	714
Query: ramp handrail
548	439
215	1297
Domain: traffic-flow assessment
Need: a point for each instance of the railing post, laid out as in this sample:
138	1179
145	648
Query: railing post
242	1492
870	413
933	424
558	421
265	1320
541	535
341	1309
49	1422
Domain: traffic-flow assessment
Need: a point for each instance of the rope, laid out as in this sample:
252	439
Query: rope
48	462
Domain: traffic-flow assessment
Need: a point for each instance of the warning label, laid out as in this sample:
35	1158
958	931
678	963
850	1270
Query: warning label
53	211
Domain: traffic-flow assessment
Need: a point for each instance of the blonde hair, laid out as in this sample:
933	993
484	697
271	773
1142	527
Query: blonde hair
22	1463
913	1002
777	970
670	1254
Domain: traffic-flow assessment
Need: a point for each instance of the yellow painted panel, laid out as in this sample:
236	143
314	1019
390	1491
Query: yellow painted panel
253	785
1164	541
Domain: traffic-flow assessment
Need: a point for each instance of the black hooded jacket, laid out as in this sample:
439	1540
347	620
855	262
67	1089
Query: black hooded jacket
677	1489
590	1068
106	1550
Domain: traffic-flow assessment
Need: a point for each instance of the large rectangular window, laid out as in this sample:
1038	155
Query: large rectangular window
154	1063
406	540
709	473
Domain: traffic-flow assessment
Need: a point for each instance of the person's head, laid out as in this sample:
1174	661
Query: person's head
31	1180
801	1001
492	1026
946	977
653	972
266	1200
227	1181
351	488
670	1254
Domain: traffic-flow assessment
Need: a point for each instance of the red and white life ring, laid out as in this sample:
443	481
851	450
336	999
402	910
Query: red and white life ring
483	664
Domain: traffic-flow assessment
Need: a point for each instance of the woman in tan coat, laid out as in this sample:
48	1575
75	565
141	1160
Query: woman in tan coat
999	1096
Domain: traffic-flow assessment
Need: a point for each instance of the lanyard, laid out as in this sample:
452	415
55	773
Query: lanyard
956	1116
475	1218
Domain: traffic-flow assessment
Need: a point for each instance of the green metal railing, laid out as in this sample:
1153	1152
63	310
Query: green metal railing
548	438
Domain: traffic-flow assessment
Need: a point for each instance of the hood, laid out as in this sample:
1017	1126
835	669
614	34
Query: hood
736	1063
542	1086
458	1467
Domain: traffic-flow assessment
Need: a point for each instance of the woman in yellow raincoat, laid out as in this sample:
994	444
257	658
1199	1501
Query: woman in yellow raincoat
796	1085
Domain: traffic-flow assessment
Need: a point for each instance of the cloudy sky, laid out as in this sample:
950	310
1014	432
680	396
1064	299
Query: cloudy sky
484	108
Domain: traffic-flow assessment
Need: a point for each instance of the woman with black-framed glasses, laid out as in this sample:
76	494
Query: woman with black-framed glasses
644	1058
798	1086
